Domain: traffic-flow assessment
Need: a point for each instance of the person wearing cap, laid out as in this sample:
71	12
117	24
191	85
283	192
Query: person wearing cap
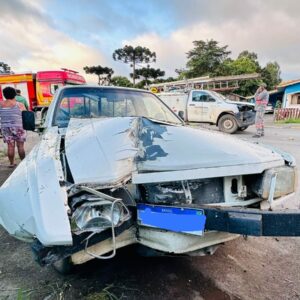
261	101
21	99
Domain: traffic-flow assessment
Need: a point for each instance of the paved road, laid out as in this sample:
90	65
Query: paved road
257	268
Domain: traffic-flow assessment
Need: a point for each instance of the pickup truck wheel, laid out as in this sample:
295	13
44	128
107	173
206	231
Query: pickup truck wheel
243	128
228	124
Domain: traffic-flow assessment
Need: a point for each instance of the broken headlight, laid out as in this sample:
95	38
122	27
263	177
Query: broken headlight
285	178
99	215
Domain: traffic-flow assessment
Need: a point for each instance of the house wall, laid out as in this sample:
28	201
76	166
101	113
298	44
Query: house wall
290	94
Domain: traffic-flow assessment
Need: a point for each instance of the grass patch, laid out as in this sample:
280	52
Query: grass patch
52	291
289	121
105	294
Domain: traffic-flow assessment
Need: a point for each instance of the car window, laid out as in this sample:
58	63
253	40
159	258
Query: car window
87	102
199	96
122	108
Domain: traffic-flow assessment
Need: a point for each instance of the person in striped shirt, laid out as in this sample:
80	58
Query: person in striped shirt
11	125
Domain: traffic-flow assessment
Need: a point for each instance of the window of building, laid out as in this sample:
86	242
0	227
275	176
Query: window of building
295	99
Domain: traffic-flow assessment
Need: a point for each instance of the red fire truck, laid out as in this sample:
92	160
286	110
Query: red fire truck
39	88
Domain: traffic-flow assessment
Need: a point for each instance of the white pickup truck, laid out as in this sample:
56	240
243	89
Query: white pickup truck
210	107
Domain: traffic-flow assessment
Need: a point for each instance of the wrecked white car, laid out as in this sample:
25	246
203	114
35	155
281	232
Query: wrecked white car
116	167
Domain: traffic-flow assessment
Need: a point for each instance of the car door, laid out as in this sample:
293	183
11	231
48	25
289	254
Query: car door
208	106
195	106
200	107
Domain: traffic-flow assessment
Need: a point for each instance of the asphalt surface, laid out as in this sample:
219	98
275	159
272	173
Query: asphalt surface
256	268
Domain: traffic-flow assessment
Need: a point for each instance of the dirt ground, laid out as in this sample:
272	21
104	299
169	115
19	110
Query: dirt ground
256	268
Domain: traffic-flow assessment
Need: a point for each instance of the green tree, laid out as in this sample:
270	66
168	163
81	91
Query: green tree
208	58
251	55
134	55
148	72
5	68
245	64
161	80
248	87
142	84
182	73
121	81
104	73
205	58
271	75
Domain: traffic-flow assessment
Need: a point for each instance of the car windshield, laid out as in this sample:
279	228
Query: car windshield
219	96
90	102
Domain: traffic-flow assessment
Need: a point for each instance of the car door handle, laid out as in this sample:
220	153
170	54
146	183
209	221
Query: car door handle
192	105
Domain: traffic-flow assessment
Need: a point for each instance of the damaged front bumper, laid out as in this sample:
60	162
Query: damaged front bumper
222	225
163	241
245	118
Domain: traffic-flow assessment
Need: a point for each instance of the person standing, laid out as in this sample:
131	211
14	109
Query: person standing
261	101
21	99
11	125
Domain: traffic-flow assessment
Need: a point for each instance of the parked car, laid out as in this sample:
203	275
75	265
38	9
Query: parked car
269	109
115	166
205	106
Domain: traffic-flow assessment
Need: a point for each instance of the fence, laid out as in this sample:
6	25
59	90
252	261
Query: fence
286	113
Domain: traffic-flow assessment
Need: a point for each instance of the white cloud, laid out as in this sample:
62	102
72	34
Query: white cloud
273	35
29	44
31	40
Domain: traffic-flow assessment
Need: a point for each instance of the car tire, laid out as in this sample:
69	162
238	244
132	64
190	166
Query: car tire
64	266
228	124
243	128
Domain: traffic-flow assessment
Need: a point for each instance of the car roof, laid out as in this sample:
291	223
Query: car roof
66	87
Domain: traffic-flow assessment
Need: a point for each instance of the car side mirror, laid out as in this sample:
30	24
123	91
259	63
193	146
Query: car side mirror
210	99
40	117
28	120
181	115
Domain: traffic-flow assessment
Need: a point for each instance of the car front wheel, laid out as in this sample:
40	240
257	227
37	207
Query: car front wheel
228	124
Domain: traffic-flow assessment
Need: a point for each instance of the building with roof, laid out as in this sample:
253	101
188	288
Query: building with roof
291	93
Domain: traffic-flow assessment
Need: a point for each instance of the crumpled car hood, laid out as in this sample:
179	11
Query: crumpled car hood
240	103
105	151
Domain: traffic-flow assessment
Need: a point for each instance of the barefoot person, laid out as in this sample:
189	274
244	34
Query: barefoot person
11	124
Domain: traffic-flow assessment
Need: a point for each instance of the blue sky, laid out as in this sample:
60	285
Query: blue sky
50	34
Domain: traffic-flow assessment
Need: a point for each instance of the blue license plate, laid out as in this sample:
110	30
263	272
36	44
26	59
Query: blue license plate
178	219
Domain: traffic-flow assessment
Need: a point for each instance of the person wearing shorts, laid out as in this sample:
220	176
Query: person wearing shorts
11	125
